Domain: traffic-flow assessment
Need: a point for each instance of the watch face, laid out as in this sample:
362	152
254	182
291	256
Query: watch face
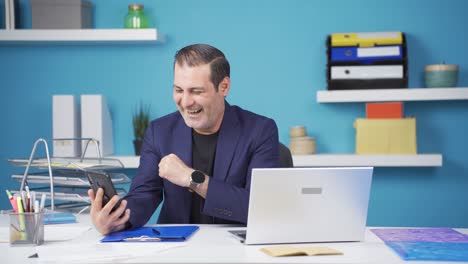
198	177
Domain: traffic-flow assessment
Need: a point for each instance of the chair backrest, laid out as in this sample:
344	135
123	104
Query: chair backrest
285	157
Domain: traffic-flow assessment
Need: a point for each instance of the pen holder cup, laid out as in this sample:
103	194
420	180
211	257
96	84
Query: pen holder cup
27	229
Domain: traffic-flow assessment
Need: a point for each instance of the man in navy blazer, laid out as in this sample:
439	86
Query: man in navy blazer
197	161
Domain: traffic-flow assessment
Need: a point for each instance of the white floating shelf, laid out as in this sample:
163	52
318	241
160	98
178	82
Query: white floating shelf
344	160
386	95
338	160
31	36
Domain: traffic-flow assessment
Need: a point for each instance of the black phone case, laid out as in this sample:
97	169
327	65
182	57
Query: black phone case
102	180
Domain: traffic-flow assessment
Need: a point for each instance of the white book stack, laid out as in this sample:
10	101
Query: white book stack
96	123
66	124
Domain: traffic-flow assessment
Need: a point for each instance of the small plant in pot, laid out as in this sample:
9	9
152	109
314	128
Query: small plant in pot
140	124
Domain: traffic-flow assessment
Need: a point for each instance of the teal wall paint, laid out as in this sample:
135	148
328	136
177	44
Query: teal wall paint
277	55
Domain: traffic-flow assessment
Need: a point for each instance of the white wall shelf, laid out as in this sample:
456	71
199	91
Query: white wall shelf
386	95
338	160
37	36
343	160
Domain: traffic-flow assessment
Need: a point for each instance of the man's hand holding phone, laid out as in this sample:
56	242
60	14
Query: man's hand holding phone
105	219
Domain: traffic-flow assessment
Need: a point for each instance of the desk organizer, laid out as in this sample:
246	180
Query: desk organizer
64	179
376	60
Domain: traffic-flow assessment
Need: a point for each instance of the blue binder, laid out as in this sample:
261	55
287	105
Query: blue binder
366	55
430	251
153	234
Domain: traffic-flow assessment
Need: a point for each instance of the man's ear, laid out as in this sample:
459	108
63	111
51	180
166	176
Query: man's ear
224	86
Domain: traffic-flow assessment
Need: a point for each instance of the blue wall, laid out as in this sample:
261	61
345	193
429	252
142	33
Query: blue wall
277	55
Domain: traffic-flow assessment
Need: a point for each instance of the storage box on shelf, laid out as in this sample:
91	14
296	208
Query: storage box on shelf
61	14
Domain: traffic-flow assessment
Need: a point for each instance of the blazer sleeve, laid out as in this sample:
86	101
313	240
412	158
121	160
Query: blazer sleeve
147	187
231	202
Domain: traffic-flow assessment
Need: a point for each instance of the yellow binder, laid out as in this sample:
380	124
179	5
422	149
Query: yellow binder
385	136
366	39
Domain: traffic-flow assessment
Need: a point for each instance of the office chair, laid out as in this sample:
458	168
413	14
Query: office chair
285	157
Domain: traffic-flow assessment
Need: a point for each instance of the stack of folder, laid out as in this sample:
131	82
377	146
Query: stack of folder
385	131
366	61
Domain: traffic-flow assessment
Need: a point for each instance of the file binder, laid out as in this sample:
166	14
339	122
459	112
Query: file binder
153	234
366	55
367	72
96	122
66	124
366	39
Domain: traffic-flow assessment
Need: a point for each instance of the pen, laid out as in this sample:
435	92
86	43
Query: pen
23	202
36	206
33	199
29	202
142	239
21	218
20	205
156	231
41	207
13	202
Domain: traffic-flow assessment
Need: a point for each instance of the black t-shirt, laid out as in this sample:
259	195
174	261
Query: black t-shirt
203	156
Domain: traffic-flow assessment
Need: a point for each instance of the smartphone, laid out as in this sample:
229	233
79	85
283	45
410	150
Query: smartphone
102	180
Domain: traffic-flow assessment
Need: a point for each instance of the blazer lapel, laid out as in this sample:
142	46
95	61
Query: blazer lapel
227	143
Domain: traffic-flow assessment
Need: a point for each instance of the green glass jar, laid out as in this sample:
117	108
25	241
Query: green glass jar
136	17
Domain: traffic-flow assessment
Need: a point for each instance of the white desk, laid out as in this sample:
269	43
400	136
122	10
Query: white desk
210	244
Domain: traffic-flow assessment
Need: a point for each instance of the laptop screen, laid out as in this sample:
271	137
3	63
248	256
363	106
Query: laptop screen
308	205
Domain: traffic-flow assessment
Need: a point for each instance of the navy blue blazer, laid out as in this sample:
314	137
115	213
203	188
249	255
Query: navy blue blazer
245	141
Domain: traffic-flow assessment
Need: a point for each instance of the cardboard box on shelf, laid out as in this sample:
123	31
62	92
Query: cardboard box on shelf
385	136
61	14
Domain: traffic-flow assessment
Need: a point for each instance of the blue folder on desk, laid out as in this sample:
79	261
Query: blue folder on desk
153	234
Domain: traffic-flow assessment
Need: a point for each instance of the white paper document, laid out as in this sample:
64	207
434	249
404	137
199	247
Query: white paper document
101	252
64	232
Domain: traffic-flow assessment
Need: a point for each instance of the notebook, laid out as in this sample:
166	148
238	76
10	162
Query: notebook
301	205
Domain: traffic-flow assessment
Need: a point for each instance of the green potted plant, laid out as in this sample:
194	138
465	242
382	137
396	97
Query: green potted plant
140	122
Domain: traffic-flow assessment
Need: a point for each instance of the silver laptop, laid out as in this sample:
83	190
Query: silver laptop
300	205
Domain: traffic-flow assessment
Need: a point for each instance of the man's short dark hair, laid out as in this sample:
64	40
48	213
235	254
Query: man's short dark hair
201	54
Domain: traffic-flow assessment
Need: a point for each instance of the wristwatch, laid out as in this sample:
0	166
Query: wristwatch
196	179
